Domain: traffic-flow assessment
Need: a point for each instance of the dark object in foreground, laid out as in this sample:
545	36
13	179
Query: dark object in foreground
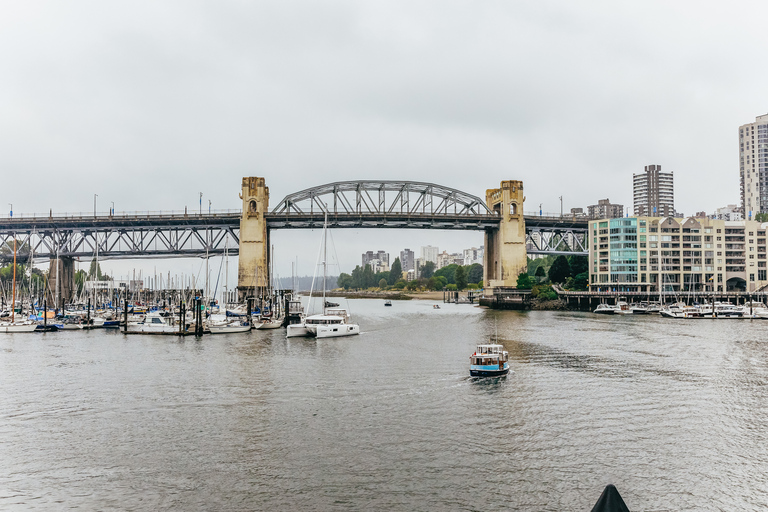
610	501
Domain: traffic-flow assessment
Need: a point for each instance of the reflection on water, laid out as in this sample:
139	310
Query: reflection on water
673	412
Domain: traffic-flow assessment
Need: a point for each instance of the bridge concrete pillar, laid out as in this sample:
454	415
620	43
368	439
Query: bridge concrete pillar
253	262
505	253
65	270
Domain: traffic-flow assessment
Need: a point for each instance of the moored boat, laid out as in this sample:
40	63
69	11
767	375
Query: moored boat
605	309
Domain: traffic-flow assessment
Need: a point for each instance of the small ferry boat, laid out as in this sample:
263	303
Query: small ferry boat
489	360
387	302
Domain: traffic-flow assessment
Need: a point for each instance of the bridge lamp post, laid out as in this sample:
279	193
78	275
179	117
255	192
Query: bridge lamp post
209	207
112	211
11	204
561	206
94	204
201	203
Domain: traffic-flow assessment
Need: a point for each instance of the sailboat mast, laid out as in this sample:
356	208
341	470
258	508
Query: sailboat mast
325	254
13	295
226	271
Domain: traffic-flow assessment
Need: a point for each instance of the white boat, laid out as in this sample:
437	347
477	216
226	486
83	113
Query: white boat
18	326
489	360
622	308
333	322
154	323
728	310
270	323
676	310
229	328
605	309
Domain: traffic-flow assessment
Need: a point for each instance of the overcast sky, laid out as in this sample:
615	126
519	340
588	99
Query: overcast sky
148	103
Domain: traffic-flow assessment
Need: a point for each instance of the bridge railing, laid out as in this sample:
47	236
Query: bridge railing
119	215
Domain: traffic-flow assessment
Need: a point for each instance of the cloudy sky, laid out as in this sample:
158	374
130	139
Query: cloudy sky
148	103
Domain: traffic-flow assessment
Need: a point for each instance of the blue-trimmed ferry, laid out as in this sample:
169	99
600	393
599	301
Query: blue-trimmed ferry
489	360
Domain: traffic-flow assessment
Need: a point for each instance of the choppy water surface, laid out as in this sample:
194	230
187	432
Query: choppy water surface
673	412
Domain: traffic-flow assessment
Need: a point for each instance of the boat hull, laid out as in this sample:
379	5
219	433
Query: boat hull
228	329
11	328
297	331
479	372
337	331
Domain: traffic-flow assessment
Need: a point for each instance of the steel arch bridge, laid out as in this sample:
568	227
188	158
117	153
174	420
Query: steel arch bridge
349	204
392	204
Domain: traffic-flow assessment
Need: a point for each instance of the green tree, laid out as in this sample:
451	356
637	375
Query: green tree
524	282
581	281
400	284
761	217
382	275
344	281
560	270
460	276
368	279
357	278
428	269
382	283
433	283
578	264
475	273
396	272
448	272
540	272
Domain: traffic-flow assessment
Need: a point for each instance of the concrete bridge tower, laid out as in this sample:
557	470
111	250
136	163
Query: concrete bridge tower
505	254
253	265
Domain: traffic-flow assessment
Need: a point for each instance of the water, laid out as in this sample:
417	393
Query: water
673	412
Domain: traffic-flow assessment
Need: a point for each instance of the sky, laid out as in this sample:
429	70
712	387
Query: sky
147	104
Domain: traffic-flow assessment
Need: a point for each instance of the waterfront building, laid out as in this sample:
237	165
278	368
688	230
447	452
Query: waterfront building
429	253
407	260
473	255
654	192
578	212
605	210
369	256
673	255
753	167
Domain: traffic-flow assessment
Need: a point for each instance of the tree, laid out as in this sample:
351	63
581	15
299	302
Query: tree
460	276
448	272
540	272
524	282
434	283
761	217
578	264
475	273
581	281
396	272
368	279
382	283
344	281
560	270
428	269
382	275
357	277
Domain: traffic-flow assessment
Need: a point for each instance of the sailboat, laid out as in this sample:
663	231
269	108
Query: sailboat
333	322
13	325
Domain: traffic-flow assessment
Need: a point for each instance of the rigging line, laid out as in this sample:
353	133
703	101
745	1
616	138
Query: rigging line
215	288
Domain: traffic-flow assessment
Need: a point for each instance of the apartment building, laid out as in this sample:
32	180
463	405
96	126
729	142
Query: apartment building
444	259
473	255
655	254
653	192
604	209
407	260
429	253
381	256
753	167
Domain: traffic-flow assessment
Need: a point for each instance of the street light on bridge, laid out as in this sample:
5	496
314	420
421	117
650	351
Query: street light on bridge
94	203
11	209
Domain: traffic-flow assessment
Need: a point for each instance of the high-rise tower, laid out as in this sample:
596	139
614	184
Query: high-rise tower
654	192
753	167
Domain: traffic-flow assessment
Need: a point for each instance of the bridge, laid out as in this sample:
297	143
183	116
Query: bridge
509	234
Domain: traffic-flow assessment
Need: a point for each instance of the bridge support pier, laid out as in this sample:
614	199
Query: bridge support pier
505	253
65	270
253	264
